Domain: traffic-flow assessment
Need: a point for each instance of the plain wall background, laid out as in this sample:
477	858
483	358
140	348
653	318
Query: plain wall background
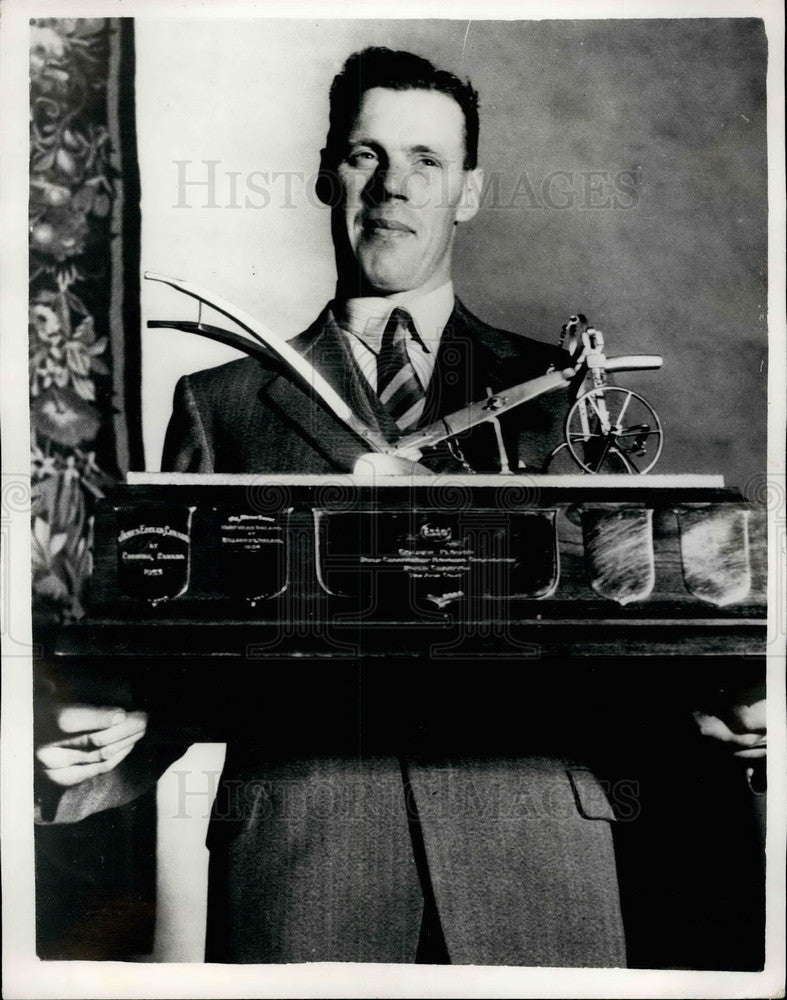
679	105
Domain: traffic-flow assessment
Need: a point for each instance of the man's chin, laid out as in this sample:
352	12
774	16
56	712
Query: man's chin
387	279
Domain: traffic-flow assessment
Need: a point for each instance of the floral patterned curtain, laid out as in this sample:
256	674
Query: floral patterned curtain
84	311
95	880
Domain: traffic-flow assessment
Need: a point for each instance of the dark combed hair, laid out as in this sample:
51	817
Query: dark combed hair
378	66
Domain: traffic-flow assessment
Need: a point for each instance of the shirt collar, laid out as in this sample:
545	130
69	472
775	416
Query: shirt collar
366	317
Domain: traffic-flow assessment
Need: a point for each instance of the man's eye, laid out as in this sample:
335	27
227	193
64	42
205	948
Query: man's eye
428	161
362	158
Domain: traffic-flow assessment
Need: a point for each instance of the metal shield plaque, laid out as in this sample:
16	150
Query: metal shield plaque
714	550
254	553
434	558
619	552
154	552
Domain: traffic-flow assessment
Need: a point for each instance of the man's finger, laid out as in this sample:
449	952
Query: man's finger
134	722
714	728
54	757
67	776
73	775
747	718
86	718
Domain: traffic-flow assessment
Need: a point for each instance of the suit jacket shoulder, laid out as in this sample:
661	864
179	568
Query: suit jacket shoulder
223	421
508	346
202	402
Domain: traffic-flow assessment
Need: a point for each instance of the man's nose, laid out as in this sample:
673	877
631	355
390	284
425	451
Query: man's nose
391	180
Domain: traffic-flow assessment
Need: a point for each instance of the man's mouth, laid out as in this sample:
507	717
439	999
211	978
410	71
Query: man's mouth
386	226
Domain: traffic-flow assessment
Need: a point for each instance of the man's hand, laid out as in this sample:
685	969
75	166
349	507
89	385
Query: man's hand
77	742
737	720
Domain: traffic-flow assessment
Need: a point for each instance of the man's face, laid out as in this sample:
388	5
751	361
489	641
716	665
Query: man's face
403	187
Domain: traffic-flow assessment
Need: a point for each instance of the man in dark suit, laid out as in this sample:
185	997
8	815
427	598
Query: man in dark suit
422	816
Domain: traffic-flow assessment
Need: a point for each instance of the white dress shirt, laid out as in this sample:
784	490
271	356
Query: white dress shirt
364	320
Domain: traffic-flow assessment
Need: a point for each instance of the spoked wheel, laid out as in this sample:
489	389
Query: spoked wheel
613	430
561	461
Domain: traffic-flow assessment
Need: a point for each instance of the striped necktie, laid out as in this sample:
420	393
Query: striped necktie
398	387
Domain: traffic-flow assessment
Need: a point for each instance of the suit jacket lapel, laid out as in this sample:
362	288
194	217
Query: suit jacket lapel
332	356
464	368
324	345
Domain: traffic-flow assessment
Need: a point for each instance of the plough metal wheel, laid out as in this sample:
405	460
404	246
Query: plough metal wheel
613	430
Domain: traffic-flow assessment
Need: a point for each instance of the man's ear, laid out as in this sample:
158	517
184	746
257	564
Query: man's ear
327	187
470	201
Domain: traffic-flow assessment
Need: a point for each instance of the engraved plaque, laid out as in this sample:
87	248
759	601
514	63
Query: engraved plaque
154	552
434	558
254	553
